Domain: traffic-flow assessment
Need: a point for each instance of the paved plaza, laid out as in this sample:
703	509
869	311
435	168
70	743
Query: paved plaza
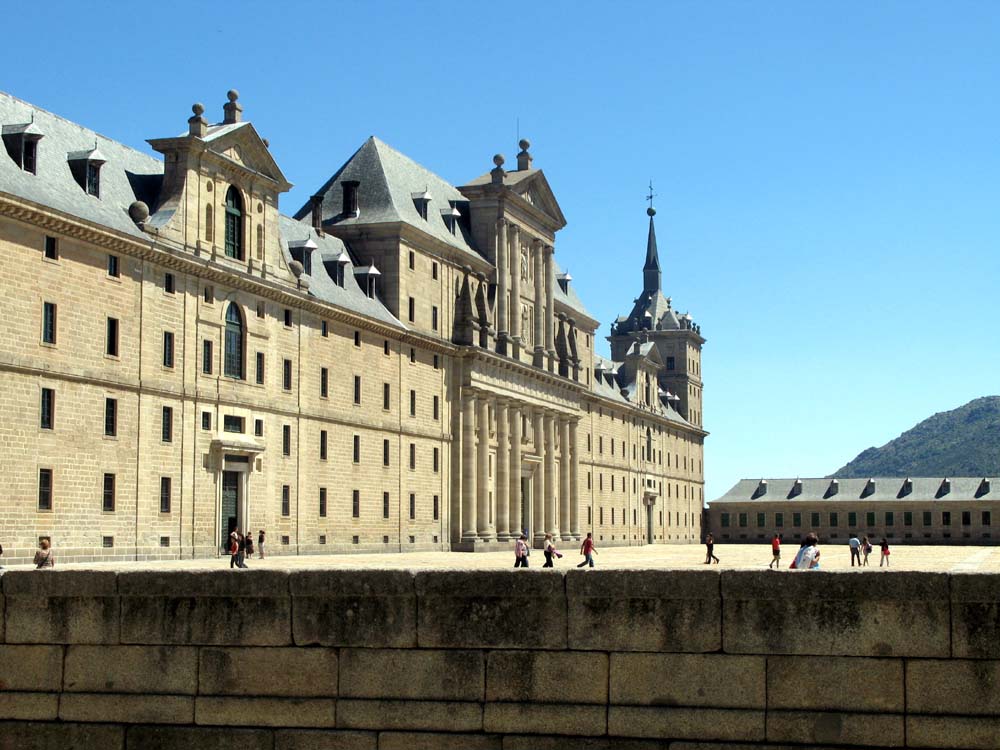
741	556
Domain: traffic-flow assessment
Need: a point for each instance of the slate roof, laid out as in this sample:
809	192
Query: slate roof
569	297
388	180
876	489
512	178
610	380
127	175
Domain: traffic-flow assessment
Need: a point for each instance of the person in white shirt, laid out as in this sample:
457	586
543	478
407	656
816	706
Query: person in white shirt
855	545
808	556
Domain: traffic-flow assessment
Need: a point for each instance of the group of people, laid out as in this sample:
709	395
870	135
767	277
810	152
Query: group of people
522	551
241	547
861	548
808	555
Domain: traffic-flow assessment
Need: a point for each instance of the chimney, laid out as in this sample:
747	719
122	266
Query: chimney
524	158
350	207
497	174
317	213
232	109
198	125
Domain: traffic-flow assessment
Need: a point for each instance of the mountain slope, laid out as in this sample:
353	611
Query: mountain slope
961	442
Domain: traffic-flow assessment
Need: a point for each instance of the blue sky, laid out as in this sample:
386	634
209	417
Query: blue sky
827	173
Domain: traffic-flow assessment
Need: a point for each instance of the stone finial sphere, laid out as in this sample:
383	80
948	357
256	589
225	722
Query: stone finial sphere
138	212
524	143
198	108
296	268
498	159
650	211
233	95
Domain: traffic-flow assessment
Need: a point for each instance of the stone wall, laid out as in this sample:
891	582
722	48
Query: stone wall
500	660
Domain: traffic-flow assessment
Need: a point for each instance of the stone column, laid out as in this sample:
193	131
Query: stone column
483	468
502	253
574	481
550	296
515	289
539	332
468	467
540	494
549	468
501	491
514	495
566	497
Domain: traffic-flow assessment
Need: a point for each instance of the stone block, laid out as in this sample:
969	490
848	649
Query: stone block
293	672
536	742
974	733
29	735
835	684
953	687
813	727
432	741
686	723
490	609
265	712
452	675
29	706
126	709
711	680
546	718
975	613
655	610
72	606
132	669
311	739
244	608
198	738
450	716
370	608
836	613
547	677
31	668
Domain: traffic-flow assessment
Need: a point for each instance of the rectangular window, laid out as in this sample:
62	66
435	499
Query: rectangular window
206	420
670	363
108	504
413	403
411	260
870	519
437	362
434	317
761	520
288	318
47	416
322	502
385	452
797	520
385	505
357	449
411	309
324	382
435	410
286	375
164	494
324	329
45	489
209	295
111	417
286	500
49	323
168	349
927	518
232	423
413	356
168	283
356	504
834	520
852	519
987	518
260	368
743	520
724	520
357	389
357	339
966	518
437	503
386	395
167	424
814	520
907	518
111	339
51	248
385	347
436	459
258	427
779	520
260	310
890	519
94	180
286	440
413	506
946	518
322	445
206	357
113	269
413	456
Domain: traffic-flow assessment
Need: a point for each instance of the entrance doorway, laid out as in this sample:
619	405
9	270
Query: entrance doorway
232	483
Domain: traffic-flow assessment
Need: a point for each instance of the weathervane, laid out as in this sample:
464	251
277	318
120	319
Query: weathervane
650	197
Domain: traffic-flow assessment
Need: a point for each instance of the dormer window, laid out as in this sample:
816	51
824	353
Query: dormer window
234	224
21	142
451	217
367	278
421	201
86	169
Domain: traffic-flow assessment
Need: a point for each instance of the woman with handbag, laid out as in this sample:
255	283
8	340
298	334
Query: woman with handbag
521	552
549	550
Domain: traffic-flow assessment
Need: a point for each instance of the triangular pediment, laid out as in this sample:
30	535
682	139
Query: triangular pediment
243	147
534	190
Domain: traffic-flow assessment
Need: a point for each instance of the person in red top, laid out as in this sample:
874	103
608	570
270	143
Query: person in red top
588	551
775	552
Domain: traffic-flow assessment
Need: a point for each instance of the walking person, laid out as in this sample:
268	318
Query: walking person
808	556
549	550
44	557
775	552
521	552
249	538
710	550
885	553
234	549
241	551
866	549
260	544
855	545
588	551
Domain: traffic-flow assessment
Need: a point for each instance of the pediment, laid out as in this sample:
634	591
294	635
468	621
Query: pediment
535	191
244	148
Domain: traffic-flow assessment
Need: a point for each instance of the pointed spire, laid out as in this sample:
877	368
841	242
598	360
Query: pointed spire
651	278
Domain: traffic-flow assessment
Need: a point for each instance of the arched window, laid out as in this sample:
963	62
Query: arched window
234	224
234	342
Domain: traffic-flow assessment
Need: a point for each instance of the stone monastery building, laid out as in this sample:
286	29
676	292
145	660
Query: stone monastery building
399	365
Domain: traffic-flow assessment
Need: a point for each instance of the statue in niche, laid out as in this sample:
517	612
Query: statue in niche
524	265
525	324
